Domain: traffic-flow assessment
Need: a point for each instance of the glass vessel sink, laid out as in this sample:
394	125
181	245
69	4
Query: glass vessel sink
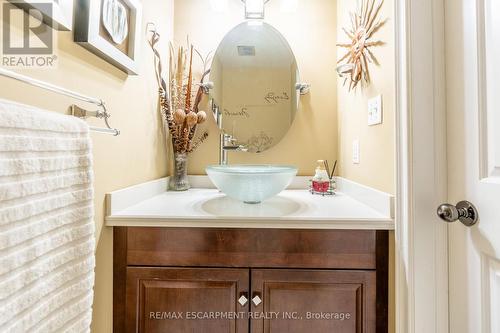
251	183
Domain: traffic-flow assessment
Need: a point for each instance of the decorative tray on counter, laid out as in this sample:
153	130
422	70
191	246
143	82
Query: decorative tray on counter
330	191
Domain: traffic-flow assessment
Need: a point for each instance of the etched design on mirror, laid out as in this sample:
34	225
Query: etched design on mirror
240	113
259	143
271	97
256	85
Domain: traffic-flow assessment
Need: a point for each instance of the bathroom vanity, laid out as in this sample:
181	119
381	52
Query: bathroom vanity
248	260
198	261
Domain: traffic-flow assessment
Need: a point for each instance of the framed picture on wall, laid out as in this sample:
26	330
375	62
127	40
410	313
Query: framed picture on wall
57	14
110	29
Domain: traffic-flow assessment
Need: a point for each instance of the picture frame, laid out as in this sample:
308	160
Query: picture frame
91	32
58	14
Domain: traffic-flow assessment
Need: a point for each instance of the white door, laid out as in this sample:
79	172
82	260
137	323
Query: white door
473	117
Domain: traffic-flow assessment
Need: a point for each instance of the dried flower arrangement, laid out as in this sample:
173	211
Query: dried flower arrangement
364	24
179	104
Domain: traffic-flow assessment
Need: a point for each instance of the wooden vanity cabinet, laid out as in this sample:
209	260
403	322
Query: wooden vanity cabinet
176	280
186	300
314	301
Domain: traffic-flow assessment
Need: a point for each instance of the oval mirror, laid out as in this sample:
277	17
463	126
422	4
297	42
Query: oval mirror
254	93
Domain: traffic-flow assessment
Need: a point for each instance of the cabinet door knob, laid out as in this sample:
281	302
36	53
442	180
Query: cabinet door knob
243	300
256	300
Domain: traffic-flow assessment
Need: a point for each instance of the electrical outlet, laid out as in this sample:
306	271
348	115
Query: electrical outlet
375	111
355	152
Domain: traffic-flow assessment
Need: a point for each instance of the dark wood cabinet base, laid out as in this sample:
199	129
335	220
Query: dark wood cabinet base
176	280
185	299
315	301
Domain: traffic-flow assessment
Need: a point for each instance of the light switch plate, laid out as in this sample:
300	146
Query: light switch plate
355	152
375	111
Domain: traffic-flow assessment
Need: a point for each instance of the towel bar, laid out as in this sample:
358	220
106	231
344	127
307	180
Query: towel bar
75	110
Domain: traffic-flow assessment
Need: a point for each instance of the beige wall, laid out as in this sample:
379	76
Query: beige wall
136	156
376	167
311	32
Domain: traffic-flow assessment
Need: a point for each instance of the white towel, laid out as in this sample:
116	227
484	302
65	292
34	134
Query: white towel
46	221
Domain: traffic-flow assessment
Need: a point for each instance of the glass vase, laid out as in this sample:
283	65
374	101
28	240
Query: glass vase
179	180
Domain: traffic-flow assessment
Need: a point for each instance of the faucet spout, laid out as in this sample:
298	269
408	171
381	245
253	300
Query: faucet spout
235	148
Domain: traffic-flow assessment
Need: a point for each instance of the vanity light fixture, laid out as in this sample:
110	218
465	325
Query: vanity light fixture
254	9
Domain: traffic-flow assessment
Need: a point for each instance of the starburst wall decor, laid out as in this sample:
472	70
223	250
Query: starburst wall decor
353	66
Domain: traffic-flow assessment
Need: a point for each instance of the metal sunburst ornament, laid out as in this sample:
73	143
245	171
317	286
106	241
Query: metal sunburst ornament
353	66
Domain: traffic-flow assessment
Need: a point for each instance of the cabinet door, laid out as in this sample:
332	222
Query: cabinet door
175	300
305	301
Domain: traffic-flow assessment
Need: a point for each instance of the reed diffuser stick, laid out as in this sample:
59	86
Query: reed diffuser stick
327	167
333	171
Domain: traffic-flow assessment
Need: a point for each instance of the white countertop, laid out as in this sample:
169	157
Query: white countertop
147	205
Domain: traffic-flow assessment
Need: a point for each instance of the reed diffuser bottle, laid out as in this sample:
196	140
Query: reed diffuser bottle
321	180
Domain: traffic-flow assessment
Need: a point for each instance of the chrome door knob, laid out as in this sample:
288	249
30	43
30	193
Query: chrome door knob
464	212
